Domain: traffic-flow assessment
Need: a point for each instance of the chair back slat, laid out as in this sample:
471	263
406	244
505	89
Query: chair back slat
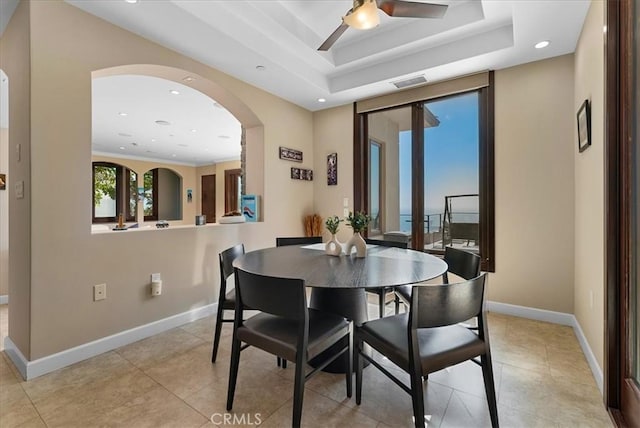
226	260
284	297
462	263
448	304
298	240
382	243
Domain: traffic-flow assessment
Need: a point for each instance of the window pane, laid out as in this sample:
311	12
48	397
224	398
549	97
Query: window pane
451	172
104	196
374	180
148	193
389	174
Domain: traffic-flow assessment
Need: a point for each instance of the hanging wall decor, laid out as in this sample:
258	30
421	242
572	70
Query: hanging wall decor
290	154
301	174
332	169
584	126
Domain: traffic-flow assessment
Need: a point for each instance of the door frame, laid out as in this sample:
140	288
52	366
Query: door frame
619	188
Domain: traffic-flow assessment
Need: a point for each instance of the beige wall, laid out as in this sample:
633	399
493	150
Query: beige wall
534	148
4	215
333	133
66	46
15	61
534	181
589	179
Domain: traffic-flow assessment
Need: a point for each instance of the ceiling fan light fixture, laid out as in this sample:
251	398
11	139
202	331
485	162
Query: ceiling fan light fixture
363	16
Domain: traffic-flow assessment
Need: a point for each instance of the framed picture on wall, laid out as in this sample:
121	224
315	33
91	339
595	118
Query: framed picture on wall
332	169
584	126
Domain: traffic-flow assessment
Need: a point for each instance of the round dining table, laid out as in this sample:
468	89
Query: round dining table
339	283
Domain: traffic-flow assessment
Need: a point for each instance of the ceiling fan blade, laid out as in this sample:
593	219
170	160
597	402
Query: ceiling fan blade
333	37
410	9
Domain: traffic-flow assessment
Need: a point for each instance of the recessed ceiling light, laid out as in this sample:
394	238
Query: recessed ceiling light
134	144
122	134
131	1
542	44
121	147
194	130
174	92
153	140
321	100
162	122
188	79
122	114
261	67
173	155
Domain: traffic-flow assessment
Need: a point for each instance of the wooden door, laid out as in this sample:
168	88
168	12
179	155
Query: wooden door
208	199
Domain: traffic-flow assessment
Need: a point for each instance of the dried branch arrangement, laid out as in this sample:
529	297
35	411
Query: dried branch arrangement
313	225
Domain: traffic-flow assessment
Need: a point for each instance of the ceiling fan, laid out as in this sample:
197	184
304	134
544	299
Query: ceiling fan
364	15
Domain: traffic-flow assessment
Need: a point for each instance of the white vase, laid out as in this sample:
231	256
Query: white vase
358	242
333	247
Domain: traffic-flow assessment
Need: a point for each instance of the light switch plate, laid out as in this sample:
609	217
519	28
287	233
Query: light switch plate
345	202
19	189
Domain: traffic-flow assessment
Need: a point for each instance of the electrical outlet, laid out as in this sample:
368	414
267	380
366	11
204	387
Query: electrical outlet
156	277
99	292
345	212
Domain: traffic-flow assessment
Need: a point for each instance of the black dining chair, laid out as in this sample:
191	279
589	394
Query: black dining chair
429	338
298	240
285	327
384	291
464	264
295	240
226	300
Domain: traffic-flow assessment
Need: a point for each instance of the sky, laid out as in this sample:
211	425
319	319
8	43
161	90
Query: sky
451	156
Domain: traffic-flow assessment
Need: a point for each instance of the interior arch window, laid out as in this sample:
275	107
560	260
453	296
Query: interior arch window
113	192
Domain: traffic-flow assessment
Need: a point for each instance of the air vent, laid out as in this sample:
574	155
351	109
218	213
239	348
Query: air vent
412	81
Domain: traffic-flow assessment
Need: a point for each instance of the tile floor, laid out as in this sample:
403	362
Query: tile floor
542	380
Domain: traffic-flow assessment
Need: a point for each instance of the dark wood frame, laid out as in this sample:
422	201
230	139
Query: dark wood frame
585	109
621	397
486	100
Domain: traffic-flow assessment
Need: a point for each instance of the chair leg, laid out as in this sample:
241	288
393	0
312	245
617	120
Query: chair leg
298	390
359	365
349	372
381	297
284	364
216	337
233	371
489	387
279	361
417	399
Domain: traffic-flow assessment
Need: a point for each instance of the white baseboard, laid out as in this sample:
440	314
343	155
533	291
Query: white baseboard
4	299
41	366
555	318
531	313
